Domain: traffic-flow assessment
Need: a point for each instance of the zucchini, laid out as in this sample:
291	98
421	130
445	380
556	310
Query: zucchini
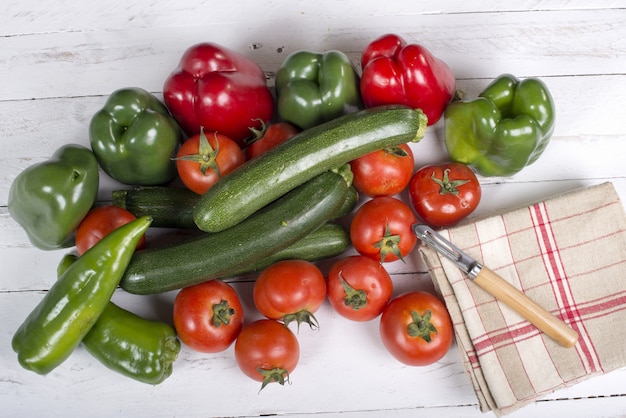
169	207
210	256
352	198
329	240
261	180
172	207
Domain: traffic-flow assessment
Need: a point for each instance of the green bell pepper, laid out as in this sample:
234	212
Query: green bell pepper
129	344
502	131
135	347
51	198
314	88
135	138
71	307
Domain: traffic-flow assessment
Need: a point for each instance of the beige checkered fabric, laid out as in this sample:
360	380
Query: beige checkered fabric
567	253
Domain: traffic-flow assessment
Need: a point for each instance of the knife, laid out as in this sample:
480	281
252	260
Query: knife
502	290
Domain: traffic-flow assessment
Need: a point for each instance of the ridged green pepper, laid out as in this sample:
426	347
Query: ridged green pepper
133	346
502	131
49	199
135	138
60	321
129	344
313	88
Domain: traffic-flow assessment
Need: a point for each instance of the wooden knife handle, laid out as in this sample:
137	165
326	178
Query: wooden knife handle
502	290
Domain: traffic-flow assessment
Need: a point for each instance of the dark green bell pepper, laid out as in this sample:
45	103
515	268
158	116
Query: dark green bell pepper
135	138
314	88
126	343
71	307
502	131
51	198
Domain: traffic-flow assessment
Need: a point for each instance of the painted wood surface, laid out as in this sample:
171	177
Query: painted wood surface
59	60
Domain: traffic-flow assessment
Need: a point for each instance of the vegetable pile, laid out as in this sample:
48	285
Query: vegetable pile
268	194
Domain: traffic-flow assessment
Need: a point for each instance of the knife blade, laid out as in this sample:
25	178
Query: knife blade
502	290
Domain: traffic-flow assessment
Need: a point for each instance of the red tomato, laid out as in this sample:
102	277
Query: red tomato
98	223
268	137
384	172
290	290
381	229
359	287
203	159
444	194
416	328
267	351
208	316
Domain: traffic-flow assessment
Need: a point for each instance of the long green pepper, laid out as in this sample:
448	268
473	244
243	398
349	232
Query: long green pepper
56	326
128	344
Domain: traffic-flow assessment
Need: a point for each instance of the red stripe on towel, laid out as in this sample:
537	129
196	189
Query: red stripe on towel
560	285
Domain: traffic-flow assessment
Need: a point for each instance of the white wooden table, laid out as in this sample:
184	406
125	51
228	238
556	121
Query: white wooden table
59	60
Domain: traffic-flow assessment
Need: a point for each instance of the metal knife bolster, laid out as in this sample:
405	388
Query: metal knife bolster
444	247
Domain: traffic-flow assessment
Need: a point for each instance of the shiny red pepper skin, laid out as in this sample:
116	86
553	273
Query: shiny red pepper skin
395	72
220	90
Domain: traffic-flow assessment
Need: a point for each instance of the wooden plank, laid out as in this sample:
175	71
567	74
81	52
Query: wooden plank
46	16
475	45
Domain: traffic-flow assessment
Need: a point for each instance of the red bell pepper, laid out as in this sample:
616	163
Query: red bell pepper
220	90
397	73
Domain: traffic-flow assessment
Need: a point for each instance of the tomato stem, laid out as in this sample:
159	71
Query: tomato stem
355	298
206	156
221	313
396	151
300	317
257	133
421	326
446	185
389	244
277	374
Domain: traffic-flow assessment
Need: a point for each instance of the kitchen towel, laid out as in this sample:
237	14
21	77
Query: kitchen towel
568	254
